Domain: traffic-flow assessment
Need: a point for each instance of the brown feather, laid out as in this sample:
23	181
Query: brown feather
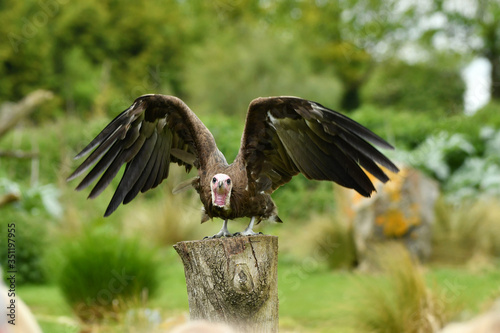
282	137
142	138
133	170
307	137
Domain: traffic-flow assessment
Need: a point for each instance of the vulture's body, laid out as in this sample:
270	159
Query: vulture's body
282	137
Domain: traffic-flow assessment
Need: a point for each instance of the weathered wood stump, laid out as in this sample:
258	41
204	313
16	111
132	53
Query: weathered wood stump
233	280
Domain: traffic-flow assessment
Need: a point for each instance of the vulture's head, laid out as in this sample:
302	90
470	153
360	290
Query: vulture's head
221	186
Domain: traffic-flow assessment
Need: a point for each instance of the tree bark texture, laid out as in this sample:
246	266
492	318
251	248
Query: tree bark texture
233	280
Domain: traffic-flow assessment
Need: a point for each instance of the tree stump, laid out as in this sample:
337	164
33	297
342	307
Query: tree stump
233	280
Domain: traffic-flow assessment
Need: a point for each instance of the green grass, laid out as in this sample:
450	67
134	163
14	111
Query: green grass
314	301
312	298
49	307
474	289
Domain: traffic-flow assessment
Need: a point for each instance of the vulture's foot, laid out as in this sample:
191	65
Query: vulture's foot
222	233
248	232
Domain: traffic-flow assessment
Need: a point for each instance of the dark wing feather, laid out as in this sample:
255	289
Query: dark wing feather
144	137
287	135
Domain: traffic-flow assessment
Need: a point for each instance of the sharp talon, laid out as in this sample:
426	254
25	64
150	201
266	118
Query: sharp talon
247	232
219	235
222	233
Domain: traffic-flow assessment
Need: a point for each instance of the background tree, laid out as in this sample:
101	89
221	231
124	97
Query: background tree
352	37
471	28
418	87
98	55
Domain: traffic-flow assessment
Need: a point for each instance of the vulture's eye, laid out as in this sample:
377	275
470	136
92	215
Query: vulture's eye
214	180
228	181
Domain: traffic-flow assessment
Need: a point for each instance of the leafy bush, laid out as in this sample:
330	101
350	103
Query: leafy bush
417	87
102	273
403	128
461	151
479	173
463	170
407	129
301	197
336	244
81	80
439	155
32	215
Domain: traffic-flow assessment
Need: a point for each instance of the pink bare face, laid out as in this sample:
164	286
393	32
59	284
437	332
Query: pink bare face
221	186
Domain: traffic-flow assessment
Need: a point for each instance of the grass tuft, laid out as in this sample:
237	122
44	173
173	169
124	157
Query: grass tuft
102	274
466	232
328	239
401	302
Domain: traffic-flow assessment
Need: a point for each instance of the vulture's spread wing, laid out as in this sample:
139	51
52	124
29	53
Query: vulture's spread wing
287	135
152	133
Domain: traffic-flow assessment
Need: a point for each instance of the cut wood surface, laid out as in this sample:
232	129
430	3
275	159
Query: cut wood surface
233	280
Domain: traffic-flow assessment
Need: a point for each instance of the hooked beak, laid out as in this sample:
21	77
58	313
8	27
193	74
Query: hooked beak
220	184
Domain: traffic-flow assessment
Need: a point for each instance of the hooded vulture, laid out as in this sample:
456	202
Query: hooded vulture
283	136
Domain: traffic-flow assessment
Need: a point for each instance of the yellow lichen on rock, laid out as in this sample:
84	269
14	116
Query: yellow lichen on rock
402	209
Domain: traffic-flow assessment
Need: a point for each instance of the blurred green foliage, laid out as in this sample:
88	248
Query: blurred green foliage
81	50
407	129
466	231
30	217
336	244
416	88
465	160
223	77
478	30
100	272
97	56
